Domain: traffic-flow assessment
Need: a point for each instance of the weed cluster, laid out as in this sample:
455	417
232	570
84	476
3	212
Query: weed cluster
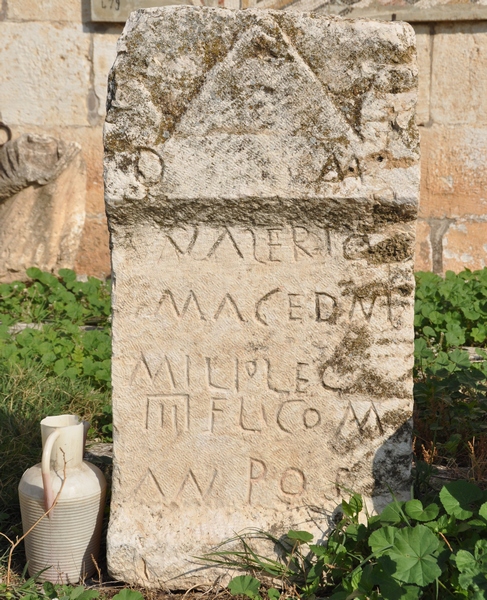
409	551
68	327
27	589
450	388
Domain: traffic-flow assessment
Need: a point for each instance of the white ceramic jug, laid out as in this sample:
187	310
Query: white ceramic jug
67	540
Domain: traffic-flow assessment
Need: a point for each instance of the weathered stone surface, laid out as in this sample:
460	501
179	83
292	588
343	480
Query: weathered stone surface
46	80
454	178
93	253
32	159
47	10
423	260
93	257
464	245
459	63
42	205
424	43
104	53
414	11
261	188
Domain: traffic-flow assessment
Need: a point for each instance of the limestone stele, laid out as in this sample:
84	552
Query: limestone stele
261	188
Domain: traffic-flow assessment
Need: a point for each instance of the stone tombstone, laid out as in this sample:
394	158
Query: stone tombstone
261	188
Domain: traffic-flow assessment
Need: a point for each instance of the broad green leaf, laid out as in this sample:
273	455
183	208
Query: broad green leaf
392	513
47	586
76	592
412	552
273	594
436	317
315	571
415	510
318	550
356	578
60	366
483	511
476	580
91	594
303	537
356	503
476	523
479	333
473	569
127	594
421	349
347	509
356	532
470	314
464	560
48	358
67	274
481	552
244	584
382	540
340	595
390	588
460	357
457	498
33	272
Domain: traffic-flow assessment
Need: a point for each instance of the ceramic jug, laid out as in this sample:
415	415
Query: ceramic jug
65	543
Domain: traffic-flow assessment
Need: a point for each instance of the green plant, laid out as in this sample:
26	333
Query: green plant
59	364
452	310
46	297
28	589
406	552
450	390
62	308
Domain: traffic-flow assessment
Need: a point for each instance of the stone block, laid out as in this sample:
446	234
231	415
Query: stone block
261	188
459	85
454	178
47	10
91	140
47	81
465	245
423	257
93	257
423	49
104	53
42	205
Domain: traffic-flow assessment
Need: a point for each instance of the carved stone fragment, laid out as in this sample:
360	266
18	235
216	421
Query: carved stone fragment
261	188
42	204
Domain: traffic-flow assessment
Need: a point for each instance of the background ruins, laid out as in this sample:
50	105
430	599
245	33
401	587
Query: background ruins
53	81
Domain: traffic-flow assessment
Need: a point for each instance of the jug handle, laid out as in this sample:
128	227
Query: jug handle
86	426
46	471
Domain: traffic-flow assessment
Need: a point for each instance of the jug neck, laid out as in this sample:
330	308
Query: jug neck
69	444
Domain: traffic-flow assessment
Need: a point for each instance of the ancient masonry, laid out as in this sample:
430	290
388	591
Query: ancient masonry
261	188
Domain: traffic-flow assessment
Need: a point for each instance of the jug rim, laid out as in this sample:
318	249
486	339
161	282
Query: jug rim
61	421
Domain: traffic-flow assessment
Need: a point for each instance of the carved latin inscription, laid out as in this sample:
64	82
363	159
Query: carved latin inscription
279	303
261	186
168	412
260	245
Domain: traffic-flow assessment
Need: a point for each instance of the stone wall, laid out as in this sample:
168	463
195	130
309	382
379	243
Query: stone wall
452	114
53	81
